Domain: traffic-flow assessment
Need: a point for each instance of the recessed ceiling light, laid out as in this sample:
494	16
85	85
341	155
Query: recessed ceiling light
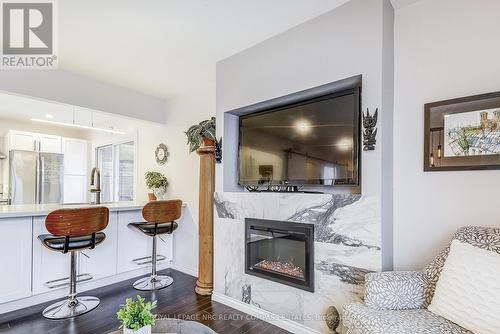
49	116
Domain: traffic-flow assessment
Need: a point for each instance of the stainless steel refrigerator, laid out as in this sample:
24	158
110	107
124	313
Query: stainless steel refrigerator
36	177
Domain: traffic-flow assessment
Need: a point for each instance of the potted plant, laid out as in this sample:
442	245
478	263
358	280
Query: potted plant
201	134
158	183
136	316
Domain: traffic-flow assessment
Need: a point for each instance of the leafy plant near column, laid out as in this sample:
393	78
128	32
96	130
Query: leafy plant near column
157	182
136	316
201	134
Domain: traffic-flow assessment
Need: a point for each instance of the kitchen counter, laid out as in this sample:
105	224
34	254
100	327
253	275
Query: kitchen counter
33	272
35	210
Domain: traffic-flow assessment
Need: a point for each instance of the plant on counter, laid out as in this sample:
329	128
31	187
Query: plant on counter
201	134
157	182
136	316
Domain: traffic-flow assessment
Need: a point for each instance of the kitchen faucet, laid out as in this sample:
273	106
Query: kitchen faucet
95	184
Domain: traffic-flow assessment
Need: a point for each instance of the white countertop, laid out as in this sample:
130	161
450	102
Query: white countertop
31	210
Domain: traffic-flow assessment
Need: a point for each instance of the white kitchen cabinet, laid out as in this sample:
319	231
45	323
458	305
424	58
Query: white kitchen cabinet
15	250
100	262
31	141
134	245
75	156
18	140
29	269
49	143
48	265
75	170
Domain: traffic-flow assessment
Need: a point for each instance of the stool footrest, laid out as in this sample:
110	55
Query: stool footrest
58	283
148	259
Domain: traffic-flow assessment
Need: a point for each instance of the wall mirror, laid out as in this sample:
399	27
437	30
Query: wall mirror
161	154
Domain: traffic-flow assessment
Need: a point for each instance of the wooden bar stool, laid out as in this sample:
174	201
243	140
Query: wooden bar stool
160	218
73	230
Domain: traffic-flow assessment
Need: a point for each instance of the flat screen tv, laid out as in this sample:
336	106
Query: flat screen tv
309	143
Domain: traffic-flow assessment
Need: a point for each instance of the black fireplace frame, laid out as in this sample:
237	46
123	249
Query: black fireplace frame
303	228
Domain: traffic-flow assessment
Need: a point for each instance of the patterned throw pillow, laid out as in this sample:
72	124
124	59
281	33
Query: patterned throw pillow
468	290
403	290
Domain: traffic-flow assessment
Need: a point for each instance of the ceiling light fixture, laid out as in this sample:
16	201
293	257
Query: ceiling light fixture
49	116
78	126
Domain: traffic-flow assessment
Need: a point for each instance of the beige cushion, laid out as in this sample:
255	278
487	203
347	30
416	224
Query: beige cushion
468	289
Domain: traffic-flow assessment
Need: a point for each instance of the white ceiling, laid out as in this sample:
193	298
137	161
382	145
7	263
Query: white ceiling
166	47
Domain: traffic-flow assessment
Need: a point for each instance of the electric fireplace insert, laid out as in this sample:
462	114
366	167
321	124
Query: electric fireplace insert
280	251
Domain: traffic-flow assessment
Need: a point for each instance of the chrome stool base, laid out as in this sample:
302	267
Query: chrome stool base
153	283
70	308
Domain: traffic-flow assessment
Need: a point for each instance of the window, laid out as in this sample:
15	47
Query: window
105	165
125	171
117	164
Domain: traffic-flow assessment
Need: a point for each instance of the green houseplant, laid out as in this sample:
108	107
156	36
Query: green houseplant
136	316
201	134
158	183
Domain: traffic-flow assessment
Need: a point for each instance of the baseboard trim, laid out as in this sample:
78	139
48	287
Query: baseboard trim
185	270
264	315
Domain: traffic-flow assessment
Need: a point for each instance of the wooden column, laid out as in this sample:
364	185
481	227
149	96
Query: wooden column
205	282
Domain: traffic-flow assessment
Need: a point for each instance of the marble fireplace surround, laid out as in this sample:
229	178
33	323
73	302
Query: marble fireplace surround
347	245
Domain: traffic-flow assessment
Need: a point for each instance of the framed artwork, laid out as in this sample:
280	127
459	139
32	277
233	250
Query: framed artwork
463	134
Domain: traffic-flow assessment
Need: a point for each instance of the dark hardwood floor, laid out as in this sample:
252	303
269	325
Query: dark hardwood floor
177	300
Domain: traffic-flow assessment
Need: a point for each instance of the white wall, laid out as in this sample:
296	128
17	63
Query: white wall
443	49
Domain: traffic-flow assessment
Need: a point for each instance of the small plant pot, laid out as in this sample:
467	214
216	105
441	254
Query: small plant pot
142	330
208	142
160	193
152	197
